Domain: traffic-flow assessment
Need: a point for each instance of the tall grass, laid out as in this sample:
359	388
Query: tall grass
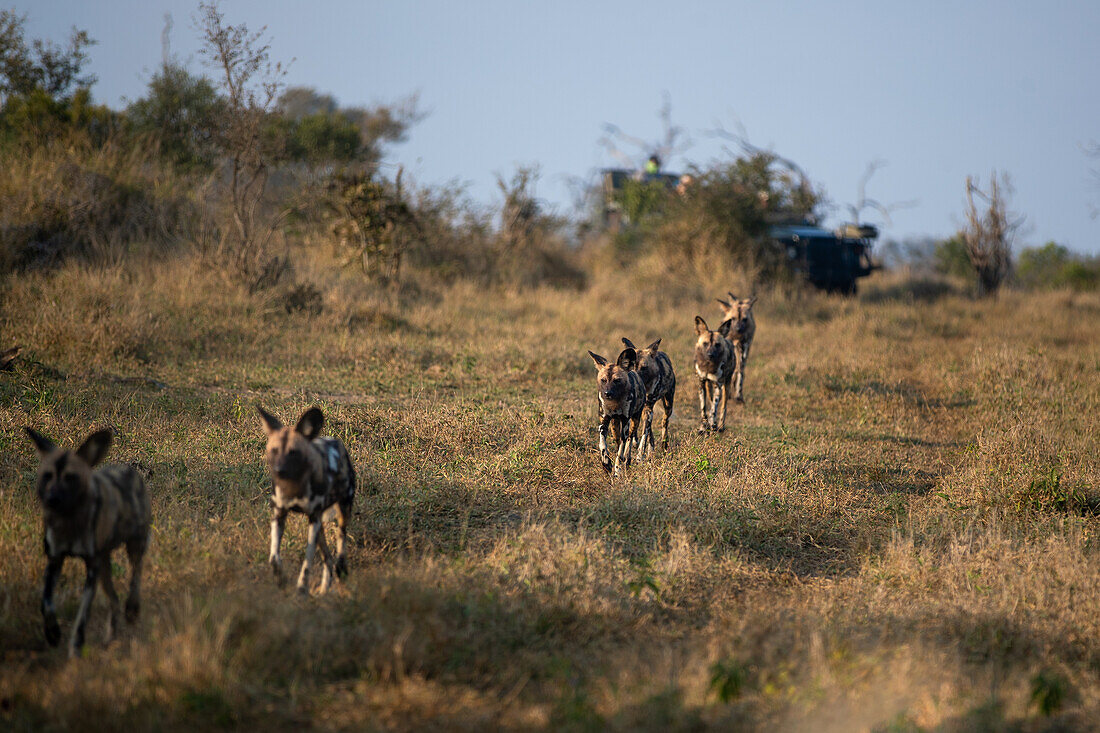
72	197
895	533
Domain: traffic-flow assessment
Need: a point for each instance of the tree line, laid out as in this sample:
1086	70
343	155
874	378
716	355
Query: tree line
231	160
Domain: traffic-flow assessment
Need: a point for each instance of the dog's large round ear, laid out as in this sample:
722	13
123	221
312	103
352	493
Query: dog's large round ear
628	358
724	329
628	342
600	361
654	346
44	445
700	326
725	304
733	298
310	423
752	300
94	449
271	423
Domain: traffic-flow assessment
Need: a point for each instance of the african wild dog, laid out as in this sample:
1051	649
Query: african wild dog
741	333
310	474
621	393
714	365
87	513
655	369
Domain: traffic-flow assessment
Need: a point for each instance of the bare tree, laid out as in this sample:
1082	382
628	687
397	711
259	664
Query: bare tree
988	235
672	140
862	202
521	211
250	83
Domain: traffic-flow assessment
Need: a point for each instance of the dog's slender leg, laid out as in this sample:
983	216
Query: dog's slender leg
650	443
278	524
704	386
741	352
645	445
49	613
618	432
666	402
76	642
621	433
634	423
638	445
725	401
316	528
715	398
744	361
342	514
626	446
605	454
327	572
135	550
108	585
718	395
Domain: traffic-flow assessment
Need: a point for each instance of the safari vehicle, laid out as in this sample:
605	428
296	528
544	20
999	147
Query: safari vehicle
829	259
832	260
612	182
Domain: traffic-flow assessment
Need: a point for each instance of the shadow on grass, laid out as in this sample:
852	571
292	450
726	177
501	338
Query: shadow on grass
905	391
914	290
879	479
779	535
910	440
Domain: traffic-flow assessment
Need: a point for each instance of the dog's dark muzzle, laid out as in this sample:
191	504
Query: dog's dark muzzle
60	501
290	468
613	392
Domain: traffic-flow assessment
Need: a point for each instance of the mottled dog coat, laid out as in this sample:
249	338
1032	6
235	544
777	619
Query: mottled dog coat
655	369
87	513
714	365
741	335
310	474
621	393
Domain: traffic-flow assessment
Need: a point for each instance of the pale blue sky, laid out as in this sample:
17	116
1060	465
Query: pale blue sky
938	90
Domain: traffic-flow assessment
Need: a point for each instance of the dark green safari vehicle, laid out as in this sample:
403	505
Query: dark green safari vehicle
829	259
832	260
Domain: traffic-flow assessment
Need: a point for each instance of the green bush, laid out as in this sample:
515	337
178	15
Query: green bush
321	137
640	201
44	94
950	258
1054	266
728	209
179	111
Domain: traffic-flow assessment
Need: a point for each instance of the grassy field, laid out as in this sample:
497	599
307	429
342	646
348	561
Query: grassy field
896	532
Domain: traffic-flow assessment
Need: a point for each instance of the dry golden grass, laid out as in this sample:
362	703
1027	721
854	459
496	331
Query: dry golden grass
73	198
896	532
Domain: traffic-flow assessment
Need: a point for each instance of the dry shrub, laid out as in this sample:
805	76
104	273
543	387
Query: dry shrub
455	235
728	208
988	235
73	198
455	239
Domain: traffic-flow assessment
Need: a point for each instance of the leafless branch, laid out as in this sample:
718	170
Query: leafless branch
988	235
740	138
673	140
862	202
251	82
